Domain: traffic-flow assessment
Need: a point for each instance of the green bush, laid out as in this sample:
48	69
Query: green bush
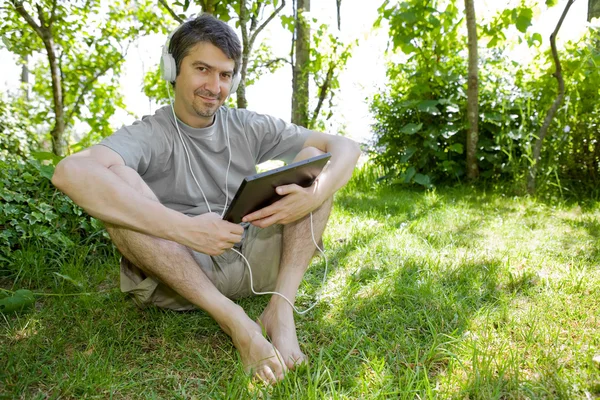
39	225
16	136
421	122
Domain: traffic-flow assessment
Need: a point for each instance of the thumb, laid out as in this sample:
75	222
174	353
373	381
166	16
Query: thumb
286	189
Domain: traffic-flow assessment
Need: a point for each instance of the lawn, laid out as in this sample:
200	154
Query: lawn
448	293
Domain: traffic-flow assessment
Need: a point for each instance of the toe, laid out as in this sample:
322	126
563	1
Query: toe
296	360
266	375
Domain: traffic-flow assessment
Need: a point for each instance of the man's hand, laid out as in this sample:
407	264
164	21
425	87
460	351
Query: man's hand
209	234
296	203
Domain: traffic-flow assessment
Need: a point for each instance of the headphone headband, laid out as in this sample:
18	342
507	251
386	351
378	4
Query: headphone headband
169	66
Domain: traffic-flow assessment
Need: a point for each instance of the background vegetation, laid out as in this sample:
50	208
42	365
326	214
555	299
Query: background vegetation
439	287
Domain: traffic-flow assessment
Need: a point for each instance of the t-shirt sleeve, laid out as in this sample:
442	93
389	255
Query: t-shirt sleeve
274	138
135	143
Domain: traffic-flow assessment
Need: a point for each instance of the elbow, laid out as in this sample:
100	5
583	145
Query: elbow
355	150
61	173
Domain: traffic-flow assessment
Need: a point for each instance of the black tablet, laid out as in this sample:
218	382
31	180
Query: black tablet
258	191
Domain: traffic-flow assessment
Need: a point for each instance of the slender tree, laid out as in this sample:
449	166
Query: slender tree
251	26
472	93
537	148
44	28
300	63
80	44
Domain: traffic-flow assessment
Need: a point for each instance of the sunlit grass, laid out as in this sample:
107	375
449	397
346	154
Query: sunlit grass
451	293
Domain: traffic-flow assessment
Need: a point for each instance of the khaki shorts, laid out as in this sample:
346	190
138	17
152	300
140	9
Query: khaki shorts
228	272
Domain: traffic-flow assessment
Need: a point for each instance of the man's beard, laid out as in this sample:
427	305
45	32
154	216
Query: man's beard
206	110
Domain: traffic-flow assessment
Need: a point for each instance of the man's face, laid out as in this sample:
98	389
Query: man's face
203	84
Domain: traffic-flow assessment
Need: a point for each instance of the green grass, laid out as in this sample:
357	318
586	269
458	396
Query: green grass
453	293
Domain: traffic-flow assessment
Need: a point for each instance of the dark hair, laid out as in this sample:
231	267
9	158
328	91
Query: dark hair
205	28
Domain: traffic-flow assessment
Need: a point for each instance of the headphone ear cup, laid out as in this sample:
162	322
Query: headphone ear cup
168	67
235	83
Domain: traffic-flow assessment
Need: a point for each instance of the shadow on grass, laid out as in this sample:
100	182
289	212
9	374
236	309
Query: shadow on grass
585	247
400	331
389	331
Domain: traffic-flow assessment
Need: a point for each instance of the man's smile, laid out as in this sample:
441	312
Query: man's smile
208	97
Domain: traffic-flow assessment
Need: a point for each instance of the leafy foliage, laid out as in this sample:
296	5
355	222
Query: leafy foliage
16	137
421	117
329	55
572	155
420	129
91	41
35	214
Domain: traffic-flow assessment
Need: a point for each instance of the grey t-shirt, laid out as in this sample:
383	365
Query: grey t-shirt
153	148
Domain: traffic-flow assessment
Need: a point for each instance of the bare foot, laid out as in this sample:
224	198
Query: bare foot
278	321
259	357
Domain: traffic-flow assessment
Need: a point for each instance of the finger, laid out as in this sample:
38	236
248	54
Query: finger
287	189
215	252
223	246
266	222
260	214
235	228
234	238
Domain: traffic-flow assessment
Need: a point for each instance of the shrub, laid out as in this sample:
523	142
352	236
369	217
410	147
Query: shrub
36	218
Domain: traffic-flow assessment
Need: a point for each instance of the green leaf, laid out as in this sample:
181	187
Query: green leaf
493	42
408	153
429	106
411	129
45	155
456	147
20	300
288	22
68	279
408	174
409	17
536	39
46	171
551	3
524	19
423	180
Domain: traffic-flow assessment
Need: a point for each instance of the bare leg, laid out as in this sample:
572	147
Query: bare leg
174	265
298	249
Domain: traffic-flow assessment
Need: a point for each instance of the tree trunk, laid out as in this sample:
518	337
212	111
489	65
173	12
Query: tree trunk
44	31
537	149
339	14
472	93
251	26
300	73
59	144
593	9
25	77
208	6
323	90
242	102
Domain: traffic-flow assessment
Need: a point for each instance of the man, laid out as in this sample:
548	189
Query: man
159	199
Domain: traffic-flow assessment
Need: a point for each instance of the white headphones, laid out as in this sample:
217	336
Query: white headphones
169	73
169	67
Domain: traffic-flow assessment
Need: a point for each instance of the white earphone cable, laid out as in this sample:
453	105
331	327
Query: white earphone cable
281	295
186	149
225	209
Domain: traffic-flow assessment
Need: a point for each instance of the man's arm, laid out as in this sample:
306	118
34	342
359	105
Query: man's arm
299	201
86	177
344	156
